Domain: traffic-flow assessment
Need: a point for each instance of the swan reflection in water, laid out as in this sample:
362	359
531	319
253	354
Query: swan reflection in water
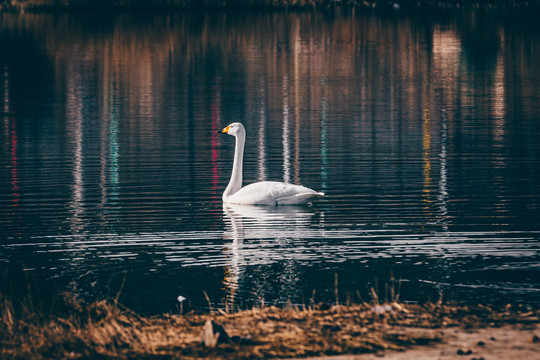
266	246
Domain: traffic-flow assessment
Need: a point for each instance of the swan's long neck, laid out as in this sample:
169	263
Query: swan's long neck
236	177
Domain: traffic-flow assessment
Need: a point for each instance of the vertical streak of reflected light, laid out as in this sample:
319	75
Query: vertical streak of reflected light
499	102
114	150
104	136
14	165
5	97
110	152
12	135
261	161
286	147
426	146
216	119
6	91
11	127
296	56
324	137
75	127
498	99
233	270
443	182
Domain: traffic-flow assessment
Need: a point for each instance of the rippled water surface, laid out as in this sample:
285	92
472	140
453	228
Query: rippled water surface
421	130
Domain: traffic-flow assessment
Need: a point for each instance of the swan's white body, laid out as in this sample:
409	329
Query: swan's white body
264	192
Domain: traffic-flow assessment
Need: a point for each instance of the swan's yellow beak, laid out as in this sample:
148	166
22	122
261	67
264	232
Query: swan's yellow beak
224	131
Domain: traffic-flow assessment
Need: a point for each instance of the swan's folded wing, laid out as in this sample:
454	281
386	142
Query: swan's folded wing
273	193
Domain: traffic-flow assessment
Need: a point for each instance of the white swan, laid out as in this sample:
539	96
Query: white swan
264	192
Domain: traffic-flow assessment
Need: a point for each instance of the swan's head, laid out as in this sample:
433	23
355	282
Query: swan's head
234	129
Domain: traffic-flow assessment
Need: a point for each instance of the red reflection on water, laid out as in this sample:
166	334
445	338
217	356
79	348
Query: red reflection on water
216	120
14	162
14	165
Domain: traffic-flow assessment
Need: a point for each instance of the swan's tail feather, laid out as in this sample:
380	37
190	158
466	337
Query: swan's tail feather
297	199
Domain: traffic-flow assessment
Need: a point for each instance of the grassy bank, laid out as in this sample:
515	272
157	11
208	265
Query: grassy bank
105	329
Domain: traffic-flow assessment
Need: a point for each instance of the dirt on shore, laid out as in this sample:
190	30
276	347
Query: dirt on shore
366	331
516	342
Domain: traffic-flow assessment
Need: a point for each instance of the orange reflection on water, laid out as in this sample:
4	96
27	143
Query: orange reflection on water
426	148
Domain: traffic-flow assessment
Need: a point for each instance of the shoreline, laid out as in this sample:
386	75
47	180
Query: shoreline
394	330
53	6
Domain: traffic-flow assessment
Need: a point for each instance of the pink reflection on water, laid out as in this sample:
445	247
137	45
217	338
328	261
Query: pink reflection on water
14	170
216	121
14	162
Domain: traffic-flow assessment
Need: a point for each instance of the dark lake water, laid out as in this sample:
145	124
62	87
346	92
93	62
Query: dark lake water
421	128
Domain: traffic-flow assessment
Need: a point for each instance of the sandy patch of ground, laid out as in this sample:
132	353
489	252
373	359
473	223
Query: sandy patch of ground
510	342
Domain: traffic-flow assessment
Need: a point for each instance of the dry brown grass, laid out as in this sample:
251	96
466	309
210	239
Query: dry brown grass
106	330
